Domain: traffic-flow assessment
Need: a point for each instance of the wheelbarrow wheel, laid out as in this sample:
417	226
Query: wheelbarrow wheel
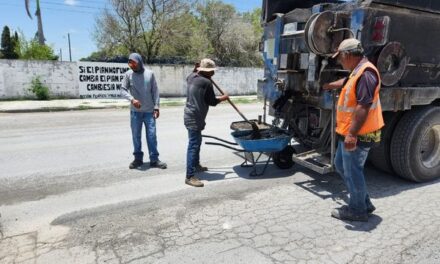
283	158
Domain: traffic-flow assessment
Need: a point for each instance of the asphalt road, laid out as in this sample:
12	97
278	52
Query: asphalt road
67	196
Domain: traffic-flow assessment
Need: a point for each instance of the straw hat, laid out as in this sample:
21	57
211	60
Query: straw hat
207	65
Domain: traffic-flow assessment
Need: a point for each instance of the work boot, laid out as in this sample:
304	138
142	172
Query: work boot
344	213
370	208
194	181
200	168
158	164
135	164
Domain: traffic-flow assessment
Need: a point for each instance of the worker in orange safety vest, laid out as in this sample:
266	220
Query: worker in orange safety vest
358	124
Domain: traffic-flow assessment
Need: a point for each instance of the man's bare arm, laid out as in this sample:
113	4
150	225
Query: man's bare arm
359	116
334	85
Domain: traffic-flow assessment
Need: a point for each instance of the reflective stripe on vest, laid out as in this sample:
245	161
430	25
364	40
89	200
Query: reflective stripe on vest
347	104
351	109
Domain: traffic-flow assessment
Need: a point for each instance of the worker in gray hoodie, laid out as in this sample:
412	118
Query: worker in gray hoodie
140	88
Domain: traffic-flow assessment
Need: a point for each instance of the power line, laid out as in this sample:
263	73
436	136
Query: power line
66	7
71	6
95	5
54	9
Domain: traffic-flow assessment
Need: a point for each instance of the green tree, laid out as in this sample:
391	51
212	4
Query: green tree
218	17
96	56
33	50
6	41
185	39
231	36
8	44
16	44
137	25
178	30
254	17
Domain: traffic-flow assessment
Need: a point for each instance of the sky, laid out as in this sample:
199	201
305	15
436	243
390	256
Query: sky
73	17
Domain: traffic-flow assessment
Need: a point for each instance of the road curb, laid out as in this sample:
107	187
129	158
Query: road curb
90	104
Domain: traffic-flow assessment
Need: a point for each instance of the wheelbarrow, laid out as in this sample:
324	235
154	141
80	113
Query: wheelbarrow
273	143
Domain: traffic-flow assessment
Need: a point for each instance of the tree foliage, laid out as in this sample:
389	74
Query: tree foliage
179	31
232	37
33	50
137	25
8	44
254	17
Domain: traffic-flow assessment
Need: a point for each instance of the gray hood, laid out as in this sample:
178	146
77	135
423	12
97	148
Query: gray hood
137	58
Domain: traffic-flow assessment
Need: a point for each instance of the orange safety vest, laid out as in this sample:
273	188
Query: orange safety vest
347	104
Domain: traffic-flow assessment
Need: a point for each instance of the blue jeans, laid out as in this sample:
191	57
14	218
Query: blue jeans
137	119
193	152
350	165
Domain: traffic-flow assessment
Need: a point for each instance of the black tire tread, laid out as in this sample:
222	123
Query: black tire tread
401	143
280	162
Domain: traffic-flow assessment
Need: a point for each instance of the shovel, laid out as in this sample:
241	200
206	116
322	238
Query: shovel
255	131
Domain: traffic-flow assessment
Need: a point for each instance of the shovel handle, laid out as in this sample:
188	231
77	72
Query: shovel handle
230	102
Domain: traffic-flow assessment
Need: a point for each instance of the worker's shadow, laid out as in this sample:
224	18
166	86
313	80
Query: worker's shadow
146	166
331	186
379	184
238	171
258	166
373	222
214	174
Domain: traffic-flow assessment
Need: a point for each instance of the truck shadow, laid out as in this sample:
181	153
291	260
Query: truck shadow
379	184
329	186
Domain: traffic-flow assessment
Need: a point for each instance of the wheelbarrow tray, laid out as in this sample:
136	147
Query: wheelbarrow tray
264	144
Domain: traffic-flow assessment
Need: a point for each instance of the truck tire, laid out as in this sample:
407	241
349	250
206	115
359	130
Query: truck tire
415	145
380	155
283	158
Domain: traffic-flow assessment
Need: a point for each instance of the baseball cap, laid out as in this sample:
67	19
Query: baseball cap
348	45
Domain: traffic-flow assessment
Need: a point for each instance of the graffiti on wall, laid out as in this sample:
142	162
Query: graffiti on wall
100	80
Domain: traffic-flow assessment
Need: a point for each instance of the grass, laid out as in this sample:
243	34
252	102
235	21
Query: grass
33	98
172	103
84	107
244	100
20	98
107	102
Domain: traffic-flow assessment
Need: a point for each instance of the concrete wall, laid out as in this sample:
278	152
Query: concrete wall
62	78
236	81
16	77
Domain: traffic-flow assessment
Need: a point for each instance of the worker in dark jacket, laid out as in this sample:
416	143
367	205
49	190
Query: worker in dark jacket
200	95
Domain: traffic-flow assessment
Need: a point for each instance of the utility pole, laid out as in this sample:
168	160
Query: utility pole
61	54
70	51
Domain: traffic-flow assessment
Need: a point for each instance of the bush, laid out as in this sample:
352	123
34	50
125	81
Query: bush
39	89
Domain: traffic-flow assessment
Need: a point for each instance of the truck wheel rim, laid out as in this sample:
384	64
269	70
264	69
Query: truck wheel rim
430	147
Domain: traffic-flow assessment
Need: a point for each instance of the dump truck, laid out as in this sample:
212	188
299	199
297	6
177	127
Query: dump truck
401	37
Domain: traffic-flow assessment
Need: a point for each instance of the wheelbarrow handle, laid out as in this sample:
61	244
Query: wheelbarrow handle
223	145
219	139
